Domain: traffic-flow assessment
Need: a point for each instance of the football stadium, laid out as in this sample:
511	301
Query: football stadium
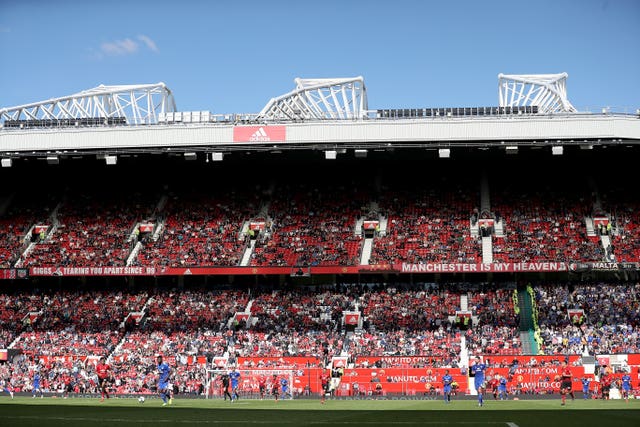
319	262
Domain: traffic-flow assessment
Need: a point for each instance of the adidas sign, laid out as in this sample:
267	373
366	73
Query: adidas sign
259	136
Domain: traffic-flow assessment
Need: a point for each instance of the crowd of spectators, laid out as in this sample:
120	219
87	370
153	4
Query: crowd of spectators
68	330
187	310
92	230
201	229
311	226
21	215
314	223
610	324
428	225
624	212
543	221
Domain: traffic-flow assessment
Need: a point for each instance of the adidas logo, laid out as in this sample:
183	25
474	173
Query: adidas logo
260	135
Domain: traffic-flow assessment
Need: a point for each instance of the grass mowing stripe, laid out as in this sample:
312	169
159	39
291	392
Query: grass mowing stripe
27	412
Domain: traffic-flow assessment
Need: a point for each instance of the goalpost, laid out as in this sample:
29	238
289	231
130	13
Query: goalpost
248	386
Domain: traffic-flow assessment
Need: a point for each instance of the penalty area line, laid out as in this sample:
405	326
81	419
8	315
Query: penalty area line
173	421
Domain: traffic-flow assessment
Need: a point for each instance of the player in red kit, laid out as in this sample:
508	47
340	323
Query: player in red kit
67	383
493	385
262	386
566	386
103	370
275	388
325	380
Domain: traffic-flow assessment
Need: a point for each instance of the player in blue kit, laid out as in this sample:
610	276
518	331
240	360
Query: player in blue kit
284	385
626	387
163	380
477	371
234	376
586	382
502	388
36	385
447	380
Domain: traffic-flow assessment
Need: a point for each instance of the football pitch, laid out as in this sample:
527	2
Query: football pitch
25	411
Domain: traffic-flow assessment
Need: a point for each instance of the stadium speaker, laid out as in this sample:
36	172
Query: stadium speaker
190	156
6	163
53	160
111	160
444	153
361	153
557	150
330	154
217	157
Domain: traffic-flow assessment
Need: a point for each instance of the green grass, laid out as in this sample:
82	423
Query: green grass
24	411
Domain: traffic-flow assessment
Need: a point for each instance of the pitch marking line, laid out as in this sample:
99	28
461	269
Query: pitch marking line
129	420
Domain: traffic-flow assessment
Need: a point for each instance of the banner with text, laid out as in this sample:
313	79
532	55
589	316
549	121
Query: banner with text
404	268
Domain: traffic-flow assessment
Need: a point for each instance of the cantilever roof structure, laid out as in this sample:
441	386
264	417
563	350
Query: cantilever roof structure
333	98
139	104
548	92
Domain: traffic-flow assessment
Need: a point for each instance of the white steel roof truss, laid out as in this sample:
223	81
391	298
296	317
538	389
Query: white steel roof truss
134	102
321	99
546	91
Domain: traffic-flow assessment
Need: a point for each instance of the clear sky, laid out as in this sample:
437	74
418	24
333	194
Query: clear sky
233	56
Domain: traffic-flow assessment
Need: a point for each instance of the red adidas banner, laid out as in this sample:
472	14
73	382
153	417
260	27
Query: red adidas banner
259	133
242	316
256	225
146	227
597	221
351	318
370	225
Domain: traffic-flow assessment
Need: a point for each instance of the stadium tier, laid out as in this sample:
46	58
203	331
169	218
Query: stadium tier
409	327
378	248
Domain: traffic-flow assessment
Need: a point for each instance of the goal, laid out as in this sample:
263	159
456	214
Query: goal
248	386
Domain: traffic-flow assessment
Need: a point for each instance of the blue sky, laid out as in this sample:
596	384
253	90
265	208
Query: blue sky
233	56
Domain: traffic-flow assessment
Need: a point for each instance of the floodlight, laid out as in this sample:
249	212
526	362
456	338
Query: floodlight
111	160
330	154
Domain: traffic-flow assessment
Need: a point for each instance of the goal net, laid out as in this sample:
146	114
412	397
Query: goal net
281	380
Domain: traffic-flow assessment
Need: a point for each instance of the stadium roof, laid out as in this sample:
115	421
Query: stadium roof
139	104
337	98
318	114
548	92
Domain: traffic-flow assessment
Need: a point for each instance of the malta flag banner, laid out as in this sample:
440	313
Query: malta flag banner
351	318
